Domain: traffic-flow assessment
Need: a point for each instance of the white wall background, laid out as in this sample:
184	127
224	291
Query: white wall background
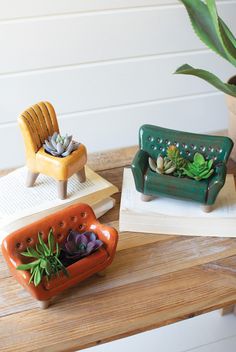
106	66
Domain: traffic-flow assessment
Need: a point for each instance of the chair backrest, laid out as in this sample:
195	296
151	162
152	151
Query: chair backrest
77	217
155	140
37	123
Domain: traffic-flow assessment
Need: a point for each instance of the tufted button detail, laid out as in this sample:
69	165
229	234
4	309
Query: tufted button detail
202	148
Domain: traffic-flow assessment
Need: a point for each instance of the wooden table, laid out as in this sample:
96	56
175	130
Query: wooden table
154	280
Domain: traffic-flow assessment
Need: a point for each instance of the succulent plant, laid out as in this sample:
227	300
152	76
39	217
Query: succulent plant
47	261
173	154
60	146
162	166
200	168
79	245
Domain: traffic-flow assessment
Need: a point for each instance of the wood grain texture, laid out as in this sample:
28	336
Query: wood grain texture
154	280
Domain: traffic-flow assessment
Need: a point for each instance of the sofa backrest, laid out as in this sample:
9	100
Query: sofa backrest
77	217
155	140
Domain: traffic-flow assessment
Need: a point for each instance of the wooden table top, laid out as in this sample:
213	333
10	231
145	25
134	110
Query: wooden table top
154	280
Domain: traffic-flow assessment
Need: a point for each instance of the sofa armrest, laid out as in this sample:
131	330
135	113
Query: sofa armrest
216	183
139	167
108	235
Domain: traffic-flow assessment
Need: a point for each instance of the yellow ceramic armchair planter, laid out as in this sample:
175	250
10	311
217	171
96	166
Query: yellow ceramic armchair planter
37	124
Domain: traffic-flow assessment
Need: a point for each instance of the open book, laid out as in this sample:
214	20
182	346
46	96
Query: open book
20	205
177	217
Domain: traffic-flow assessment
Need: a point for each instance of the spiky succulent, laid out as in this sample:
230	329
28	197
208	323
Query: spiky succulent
173	154
79	245
199	169
60	146
216	35
46	263
162	166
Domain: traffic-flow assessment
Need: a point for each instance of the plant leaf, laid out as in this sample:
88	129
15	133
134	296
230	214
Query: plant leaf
46	250
198	159
28	266
37	276
27	254
57	250
203	25
51	241
209	77
228	32
33	252
226	43
152	164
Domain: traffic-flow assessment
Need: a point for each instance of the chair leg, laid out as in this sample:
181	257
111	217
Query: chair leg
44	304
228	310
81	175
62	189
207	208
101	273
31	178
145	198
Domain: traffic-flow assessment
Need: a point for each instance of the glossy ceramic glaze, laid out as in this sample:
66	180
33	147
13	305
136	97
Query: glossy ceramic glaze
78	217
154	140
37	123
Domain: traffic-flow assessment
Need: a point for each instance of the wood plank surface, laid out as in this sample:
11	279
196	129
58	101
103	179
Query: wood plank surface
154	280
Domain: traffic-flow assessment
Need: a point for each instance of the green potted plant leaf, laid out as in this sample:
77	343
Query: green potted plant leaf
215	34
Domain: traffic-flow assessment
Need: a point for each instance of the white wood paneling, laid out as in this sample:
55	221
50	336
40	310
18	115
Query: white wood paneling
12	9
98	86
206	333
225	345
74	39
118	127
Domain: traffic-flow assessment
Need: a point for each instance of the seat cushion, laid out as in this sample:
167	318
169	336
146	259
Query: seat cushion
61	168
79	270
175	187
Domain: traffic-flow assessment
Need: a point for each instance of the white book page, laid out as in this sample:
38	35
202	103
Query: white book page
18	201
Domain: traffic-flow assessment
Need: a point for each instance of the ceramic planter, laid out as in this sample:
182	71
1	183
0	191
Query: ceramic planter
78	217
231	103
154	140
37	123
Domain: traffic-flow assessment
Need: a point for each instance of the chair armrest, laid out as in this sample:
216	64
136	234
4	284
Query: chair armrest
108	235
216	183
139	168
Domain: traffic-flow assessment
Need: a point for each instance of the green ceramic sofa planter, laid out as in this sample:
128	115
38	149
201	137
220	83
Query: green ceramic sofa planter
154	140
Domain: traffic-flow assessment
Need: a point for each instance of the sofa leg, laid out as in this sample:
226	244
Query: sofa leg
207	208
228	310
145	198
44	304
101	273
62	189
81	175
31	178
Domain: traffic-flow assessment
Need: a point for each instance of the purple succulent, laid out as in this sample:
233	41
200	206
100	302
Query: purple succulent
79	245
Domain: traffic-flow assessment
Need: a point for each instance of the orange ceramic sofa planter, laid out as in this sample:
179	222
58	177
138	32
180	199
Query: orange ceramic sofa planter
37	123
79	217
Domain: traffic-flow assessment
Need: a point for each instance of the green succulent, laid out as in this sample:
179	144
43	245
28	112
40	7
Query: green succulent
216	35
199	169
173	154
47	263
60	146
162	166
